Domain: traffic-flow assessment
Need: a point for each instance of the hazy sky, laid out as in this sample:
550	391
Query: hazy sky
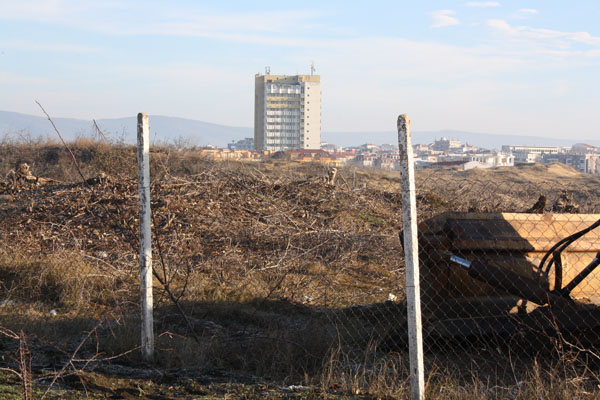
515	67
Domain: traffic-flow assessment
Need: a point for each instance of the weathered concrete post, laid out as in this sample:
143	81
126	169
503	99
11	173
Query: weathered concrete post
143	156
411	256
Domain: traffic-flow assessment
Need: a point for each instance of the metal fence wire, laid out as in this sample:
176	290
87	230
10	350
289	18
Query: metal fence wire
272	270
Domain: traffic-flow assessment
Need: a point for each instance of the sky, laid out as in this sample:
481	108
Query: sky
506	67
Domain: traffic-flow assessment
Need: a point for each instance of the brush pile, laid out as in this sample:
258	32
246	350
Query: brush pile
223	234
268	264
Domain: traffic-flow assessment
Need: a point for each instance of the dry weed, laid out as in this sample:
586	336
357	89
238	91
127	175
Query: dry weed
271	266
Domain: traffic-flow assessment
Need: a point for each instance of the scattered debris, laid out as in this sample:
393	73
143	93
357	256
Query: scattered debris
565	204
101	178
539	207
22	177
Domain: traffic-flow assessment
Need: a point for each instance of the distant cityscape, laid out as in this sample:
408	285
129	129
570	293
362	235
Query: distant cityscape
442	153
287	125
282	130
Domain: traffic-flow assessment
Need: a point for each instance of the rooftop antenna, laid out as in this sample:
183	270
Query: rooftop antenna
267	70
312	67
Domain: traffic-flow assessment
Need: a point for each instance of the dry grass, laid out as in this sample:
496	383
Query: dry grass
61	280
279	275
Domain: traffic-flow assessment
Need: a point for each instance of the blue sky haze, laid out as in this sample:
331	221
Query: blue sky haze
513	67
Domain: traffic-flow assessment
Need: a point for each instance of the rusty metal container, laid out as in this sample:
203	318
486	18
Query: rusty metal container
513	241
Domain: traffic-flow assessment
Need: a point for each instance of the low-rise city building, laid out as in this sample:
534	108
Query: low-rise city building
244	144
529	154
588	163
445	144
492	160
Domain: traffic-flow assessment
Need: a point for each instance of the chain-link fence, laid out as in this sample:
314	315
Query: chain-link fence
272	272
508	262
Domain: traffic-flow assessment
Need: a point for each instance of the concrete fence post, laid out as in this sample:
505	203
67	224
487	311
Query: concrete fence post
143	156
411	256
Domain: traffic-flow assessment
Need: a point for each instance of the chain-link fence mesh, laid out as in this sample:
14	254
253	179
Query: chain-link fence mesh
272	270
518	284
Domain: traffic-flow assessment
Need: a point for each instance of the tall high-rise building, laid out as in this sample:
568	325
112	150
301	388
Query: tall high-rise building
287	112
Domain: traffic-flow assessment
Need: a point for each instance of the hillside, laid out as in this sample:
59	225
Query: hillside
162	129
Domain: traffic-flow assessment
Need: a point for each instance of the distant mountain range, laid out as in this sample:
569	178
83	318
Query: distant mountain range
162	129
187	131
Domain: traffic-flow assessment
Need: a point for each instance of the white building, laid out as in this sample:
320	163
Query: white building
586	162
529	154
287	112
492	160
582	148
